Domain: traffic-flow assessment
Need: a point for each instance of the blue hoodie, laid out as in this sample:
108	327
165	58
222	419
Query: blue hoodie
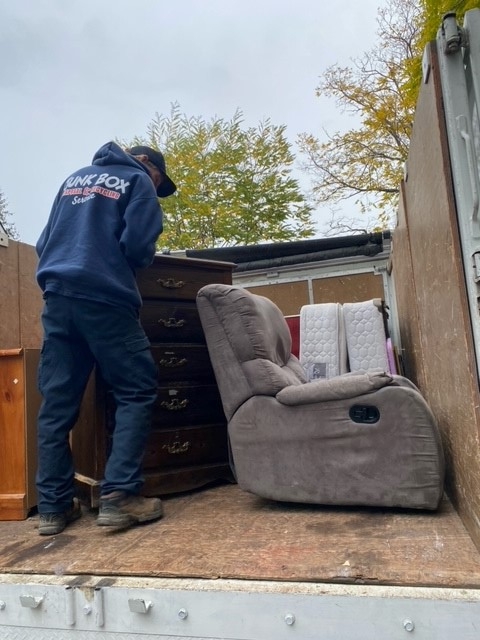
103	225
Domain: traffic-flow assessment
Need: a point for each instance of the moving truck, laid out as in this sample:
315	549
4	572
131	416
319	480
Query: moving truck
226	564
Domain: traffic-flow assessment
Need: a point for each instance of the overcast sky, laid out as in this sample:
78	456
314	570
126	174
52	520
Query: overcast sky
77	73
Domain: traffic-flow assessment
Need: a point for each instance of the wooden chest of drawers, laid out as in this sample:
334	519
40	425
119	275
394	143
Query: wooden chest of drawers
187	447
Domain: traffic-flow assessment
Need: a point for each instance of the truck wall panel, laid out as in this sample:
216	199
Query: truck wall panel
441	331
21	299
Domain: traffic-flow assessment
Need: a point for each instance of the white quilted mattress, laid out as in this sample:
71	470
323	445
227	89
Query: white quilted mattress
322	350
365	336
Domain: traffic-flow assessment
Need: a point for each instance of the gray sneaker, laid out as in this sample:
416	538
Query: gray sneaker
53	523
122	510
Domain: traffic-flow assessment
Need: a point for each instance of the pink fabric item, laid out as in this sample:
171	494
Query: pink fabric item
391	357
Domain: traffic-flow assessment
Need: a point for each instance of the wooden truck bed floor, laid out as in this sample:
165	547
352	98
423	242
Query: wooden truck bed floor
224	532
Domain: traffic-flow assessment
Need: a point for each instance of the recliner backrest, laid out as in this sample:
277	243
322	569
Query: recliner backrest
249	343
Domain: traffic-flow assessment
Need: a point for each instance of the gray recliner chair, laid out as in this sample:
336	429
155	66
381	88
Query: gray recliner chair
357	439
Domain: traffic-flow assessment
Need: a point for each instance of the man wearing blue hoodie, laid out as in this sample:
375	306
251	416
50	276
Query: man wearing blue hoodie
103	225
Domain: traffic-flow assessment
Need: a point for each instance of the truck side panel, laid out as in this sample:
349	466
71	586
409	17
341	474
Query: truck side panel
431	294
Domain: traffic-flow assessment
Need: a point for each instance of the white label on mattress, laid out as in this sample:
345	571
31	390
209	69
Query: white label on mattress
316	370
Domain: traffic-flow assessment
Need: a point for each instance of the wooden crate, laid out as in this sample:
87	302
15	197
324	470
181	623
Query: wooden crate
19	405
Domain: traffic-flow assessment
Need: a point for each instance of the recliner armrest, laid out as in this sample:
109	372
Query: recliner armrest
337	388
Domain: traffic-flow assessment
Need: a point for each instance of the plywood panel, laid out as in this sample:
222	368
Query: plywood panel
288	296
348	288
21	297
30	297
407	299
291	296
224	532
449	380
10	296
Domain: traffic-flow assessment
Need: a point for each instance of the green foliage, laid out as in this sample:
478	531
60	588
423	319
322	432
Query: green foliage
427	27
433	12
9	227
381	91
234	183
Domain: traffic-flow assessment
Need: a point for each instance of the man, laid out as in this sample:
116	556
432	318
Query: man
103	225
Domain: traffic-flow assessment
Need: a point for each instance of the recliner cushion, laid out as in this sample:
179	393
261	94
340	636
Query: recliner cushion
267	378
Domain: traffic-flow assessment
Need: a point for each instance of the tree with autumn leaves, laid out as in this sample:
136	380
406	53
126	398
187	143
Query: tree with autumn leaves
236	182
381	89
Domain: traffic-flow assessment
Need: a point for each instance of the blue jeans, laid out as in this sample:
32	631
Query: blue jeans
78	334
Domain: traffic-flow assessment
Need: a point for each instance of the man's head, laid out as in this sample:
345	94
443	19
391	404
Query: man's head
155	163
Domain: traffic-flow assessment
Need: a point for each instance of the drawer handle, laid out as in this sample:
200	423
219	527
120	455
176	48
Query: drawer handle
171	283
171	323
173	362
177	447
175	404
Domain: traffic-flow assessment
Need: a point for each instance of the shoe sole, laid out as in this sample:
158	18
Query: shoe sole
52	531
125	520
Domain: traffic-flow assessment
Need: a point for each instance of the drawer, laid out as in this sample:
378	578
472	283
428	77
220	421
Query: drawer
187	405
162	482
187	362
177	281
171	322
187	446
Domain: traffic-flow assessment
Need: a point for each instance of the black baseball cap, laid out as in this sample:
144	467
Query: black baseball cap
168	186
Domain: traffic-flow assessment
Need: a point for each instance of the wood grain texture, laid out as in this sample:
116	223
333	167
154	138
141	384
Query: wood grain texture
224	532
19	404
30	298
440	337
348	288
192	450
288	296
22	303
406	297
